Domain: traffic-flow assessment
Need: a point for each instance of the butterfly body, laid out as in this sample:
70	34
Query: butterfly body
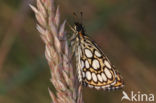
93	67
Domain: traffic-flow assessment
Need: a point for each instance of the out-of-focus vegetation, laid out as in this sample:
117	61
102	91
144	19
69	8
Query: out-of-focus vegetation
124	29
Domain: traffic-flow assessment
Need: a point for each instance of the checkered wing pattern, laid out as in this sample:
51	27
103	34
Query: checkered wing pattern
94	68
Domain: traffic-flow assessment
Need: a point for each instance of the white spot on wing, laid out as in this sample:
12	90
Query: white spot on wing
94	77
107	64
103	77
88	53
97	88
107	72
95	64
97	54
90	86
106	86
87	64
88	75
99	78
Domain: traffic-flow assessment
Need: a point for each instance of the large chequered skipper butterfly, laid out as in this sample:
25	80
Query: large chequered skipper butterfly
94	68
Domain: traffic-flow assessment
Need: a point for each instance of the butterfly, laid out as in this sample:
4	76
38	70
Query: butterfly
93	67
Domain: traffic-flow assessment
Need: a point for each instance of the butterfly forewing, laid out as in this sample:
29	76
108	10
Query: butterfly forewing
94	68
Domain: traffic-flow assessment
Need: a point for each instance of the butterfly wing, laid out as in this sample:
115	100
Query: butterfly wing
95	70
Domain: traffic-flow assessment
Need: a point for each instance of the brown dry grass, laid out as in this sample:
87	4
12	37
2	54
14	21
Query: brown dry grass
56	52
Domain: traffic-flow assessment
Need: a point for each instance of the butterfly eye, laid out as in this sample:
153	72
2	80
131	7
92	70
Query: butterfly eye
78	27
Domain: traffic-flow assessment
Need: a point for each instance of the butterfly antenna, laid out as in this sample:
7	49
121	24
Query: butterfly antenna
75	16
81	13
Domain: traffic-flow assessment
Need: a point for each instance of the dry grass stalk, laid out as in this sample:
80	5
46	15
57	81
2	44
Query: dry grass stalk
56	52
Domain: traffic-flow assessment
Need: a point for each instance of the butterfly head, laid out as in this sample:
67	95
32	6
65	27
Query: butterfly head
79	28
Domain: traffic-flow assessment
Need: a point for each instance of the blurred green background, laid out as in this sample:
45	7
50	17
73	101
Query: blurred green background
124	29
